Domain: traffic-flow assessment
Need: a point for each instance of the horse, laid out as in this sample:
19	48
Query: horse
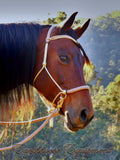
49	59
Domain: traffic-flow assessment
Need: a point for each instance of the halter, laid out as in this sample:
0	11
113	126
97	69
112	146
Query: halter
63	93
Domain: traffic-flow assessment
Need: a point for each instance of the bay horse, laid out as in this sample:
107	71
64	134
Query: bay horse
47	58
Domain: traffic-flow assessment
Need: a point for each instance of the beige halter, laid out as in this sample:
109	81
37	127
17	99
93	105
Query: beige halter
63	93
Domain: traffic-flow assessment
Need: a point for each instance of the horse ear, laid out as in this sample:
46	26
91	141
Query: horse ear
80	30
69	23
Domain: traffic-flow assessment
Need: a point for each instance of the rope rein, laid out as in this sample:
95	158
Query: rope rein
54	113
54	109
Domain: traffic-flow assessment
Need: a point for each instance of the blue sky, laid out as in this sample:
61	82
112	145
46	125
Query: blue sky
31	10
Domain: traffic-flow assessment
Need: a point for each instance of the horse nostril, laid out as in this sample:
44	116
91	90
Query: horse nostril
83	115
91	118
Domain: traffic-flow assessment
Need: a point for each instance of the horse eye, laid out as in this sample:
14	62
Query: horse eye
64	58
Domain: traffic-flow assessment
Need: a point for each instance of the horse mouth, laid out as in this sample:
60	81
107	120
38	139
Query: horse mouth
69	125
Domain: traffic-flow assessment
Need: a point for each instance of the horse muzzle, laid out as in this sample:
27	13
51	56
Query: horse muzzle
77	122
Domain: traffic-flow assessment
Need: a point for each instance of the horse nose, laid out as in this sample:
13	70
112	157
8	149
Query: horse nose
85	117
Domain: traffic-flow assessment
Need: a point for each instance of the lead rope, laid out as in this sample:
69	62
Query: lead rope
54	113
61	95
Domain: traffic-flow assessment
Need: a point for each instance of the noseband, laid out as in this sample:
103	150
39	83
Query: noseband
63	93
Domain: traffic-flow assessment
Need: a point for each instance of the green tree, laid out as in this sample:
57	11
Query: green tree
89	72
60	17
107	100
109	97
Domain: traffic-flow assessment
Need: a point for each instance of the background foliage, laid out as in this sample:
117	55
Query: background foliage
102	44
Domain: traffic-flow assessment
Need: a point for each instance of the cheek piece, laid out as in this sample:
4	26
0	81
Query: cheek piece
63	93
54	110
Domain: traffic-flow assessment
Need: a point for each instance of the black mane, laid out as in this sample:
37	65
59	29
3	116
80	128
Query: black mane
17	59
17	54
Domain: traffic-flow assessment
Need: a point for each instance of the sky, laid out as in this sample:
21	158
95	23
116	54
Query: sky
32	10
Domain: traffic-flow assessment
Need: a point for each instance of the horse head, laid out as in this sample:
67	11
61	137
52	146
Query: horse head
64	62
